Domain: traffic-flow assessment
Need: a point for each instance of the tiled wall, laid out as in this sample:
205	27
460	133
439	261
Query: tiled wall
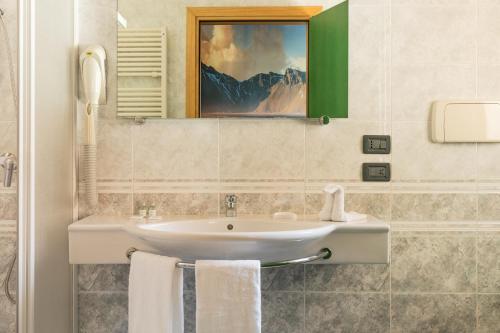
8	143
443	203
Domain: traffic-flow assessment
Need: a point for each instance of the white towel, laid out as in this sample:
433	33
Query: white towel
155	295
228	296
333	210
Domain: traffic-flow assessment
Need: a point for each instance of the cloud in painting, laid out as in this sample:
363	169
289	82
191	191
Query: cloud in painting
245	50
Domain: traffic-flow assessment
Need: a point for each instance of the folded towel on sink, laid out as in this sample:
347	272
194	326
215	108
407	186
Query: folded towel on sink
228	296
155	295
333	209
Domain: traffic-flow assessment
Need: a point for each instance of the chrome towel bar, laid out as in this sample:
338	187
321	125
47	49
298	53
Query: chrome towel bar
322	254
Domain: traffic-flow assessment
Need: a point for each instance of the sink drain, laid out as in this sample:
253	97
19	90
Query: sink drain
230	227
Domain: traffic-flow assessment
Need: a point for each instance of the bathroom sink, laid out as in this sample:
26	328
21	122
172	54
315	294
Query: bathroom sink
232	238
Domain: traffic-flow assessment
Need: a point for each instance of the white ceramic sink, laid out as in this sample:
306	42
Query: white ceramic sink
233	238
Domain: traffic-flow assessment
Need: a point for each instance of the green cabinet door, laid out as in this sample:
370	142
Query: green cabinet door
328	63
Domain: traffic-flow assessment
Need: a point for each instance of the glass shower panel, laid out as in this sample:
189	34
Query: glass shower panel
8	144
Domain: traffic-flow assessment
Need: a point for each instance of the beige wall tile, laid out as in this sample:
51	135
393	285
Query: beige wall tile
266	203
488	263
367	35
487	161
262	149
8	206
176	149
433	264
335	151
487	34
8	138
119	204
114	150
428	35
488	85
433	207
489	207
488	313
415	157
179	203
375	204
415	87
367	92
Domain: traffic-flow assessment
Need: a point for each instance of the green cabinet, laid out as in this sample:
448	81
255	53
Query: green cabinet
329	63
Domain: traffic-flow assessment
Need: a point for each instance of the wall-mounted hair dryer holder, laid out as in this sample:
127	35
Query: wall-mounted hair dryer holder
93	75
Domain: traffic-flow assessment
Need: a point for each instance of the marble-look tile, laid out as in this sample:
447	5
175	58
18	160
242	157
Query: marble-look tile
282	312
7	251
411	100
114	150
375	204
433	264
179	203
8	205
8	110
337	312
115	204
433	313
289	278
176	149
488	263
415	157
489	207
335	151
8	139
433	206
261	149
7	316
266	203
347	278
423	34
488	45
189	311
102	312
103	277
488	313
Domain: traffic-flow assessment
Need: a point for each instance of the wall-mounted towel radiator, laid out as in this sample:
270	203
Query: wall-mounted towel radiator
142	73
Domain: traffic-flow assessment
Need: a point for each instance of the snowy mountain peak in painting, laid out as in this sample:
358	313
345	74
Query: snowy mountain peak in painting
262	95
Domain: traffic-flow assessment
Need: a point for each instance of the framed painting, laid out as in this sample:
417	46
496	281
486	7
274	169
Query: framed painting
247	61
253	69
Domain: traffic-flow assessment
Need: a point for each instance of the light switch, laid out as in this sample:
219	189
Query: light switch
376	172
376	144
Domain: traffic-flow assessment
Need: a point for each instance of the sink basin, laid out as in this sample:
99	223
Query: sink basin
232	238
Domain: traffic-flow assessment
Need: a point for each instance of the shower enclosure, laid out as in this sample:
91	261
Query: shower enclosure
8	145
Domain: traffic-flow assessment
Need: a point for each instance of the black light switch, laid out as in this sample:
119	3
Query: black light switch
376	144
376	172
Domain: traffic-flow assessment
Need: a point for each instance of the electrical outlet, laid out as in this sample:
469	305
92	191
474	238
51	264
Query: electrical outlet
376	144
376	172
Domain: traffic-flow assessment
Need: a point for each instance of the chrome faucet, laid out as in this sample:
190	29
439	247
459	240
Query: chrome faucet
230	203
9	164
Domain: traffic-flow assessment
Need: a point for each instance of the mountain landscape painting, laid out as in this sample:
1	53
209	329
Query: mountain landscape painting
253	69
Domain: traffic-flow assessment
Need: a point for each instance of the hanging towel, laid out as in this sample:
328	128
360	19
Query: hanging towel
155	295
228	296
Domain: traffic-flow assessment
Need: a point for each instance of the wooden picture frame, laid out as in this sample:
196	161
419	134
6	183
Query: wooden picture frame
195	15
